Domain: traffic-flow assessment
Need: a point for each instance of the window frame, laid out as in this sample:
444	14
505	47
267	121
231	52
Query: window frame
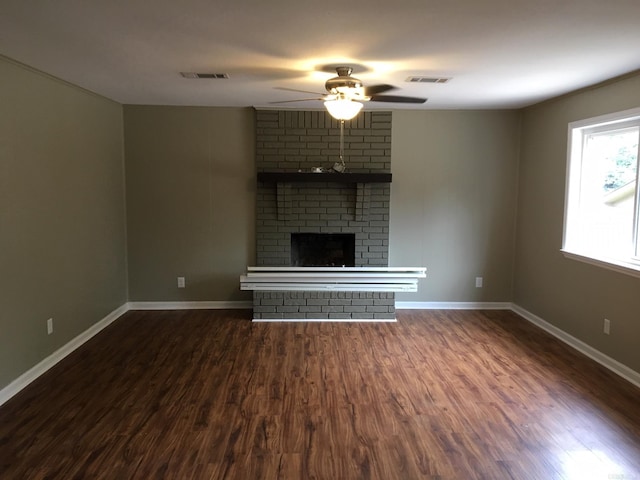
577	132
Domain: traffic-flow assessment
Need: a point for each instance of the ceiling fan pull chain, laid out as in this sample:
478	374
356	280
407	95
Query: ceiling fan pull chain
342	146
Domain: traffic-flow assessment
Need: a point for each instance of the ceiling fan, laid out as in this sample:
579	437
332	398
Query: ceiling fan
345	94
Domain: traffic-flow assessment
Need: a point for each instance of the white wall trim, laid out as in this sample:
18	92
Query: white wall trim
33	373
596	355
189	305
453	306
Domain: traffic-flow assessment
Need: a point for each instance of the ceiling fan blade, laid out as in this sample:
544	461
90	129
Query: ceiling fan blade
376	89
298	100
396	99
295	90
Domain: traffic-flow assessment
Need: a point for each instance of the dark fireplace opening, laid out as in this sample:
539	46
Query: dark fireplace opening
323	249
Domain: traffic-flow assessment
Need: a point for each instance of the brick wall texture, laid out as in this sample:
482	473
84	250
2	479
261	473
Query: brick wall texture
293	141
324	305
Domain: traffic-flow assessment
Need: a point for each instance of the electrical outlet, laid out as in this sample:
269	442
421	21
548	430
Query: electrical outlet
478	282
606	326
181	283
50	326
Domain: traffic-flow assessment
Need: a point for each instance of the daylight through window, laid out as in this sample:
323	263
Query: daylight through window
601	217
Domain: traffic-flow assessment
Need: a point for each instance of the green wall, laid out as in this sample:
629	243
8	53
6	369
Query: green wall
474	193
62	211
190	201
453	202
571	295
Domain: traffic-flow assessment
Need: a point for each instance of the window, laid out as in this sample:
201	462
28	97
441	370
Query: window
602	204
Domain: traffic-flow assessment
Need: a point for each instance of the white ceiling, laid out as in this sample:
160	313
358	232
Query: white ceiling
499	53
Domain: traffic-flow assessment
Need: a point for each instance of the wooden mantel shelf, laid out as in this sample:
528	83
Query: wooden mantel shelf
291	177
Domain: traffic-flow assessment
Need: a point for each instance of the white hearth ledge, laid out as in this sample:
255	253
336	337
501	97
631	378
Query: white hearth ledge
333	279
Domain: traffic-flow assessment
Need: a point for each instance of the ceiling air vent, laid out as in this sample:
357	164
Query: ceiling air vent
204	75
428	79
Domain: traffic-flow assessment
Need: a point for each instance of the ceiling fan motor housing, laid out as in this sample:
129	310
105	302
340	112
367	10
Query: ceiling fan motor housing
344	82
347	89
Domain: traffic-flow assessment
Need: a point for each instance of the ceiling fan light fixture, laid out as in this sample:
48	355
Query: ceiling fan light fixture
343	108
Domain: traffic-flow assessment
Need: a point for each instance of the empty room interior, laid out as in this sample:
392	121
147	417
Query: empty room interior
245	240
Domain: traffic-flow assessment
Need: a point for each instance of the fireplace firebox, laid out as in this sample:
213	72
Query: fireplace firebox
322	249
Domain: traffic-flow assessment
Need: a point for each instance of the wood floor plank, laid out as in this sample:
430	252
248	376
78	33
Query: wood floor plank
210	395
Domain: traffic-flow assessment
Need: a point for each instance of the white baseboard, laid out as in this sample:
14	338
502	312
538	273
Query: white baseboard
596	355
189	305
453	306
30	375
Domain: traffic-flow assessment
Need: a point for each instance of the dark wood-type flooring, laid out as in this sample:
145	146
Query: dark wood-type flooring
209	395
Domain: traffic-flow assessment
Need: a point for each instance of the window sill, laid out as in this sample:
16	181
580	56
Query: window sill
627	268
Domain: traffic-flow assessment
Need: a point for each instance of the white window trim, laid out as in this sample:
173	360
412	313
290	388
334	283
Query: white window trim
628	268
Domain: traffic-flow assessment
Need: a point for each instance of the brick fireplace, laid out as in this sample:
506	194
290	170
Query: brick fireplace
353	204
